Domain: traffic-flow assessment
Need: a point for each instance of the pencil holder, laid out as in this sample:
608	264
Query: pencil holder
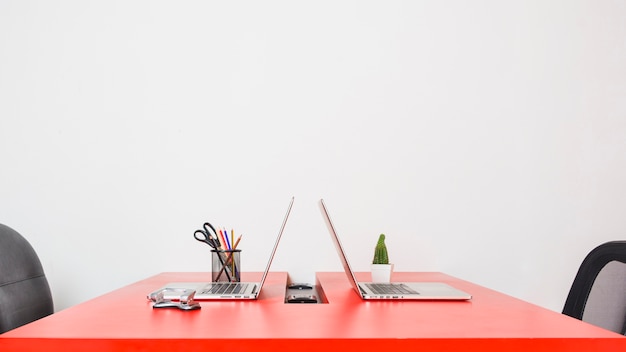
225	265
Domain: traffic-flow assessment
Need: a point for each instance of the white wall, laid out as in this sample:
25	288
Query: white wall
487	139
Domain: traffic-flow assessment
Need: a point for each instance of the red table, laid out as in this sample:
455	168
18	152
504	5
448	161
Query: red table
124	320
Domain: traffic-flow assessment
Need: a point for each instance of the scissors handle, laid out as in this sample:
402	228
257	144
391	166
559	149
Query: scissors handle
202	236
207	224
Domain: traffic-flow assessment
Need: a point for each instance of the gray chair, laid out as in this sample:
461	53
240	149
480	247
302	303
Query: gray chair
24	292
598	293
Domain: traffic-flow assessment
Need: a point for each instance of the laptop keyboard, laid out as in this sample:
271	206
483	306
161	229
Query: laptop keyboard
390	289
226	288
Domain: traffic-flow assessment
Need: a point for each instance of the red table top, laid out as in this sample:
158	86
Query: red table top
125	320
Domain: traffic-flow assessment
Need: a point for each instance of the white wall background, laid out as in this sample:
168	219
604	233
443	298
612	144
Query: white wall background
487	139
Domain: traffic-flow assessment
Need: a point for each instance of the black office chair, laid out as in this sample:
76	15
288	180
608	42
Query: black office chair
24	292
598	293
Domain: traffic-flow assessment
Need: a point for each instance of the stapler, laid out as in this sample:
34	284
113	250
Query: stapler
185	302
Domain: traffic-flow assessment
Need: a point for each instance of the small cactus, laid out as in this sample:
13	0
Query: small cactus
380	252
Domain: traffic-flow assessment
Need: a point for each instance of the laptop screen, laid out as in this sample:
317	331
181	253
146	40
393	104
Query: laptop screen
339	247
280	234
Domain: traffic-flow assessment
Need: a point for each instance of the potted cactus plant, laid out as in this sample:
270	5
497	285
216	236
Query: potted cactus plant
381	269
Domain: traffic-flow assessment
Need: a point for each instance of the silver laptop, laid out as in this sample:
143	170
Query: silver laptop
226	290
393	290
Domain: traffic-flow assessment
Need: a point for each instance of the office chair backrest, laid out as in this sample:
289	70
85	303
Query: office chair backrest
24	292
598	293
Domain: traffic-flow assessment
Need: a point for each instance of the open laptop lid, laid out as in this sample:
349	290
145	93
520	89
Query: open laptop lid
339	247
280	234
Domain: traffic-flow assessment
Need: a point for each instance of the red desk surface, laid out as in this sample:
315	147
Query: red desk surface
124	320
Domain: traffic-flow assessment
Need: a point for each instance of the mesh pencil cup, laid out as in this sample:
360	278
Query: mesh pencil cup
226	265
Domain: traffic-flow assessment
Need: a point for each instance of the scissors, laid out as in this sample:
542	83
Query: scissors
207	235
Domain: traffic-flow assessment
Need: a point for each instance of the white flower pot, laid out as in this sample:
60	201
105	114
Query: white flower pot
381	272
